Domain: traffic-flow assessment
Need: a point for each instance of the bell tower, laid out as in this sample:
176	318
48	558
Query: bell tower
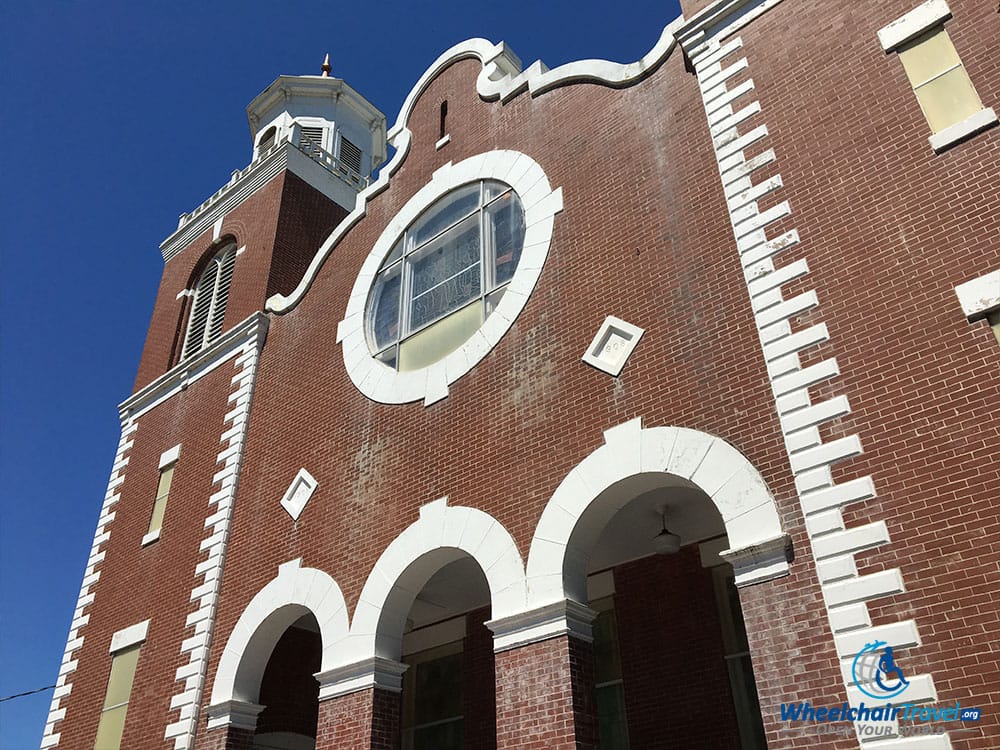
315	142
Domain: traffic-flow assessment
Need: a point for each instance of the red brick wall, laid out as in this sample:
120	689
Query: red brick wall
153	582
673	667
479	695
288	689
366	720
545	696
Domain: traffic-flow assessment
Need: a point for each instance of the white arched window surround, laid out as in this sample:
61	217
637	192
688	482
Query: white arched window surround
210	298
541	203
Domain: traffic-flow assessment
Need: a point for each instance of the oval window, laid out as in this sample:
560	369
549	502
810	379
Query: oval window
444	277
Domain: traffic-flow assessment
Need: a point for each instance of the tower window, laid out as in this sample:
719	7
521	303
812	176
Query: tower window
266	140
125	645
210	297
939	80
350	155
311	137
444	119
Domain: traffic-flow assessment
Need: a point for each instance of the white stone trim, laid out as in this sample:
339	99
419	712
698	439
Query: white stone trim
294	592
914	23
501	78
182	375
129	636
169	456
386	385
441	534
627	338
444	141
971	124
298	493
845	592
236	714
557	560
149	538
376	672
91	575
979	296
243	346
565	617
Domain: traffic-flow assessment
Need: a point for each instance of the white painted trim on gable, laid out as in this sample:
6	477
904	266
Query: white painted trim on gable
979	296
385	384
129	636
556	568
295	591
914	23
501	78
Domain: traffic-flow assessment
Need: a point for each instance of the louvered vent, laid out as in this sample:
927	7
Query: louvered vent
208	310
312	137
350	155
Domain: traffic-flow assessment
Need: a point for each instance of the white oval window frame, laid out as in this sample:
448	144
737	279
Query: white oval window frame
541	203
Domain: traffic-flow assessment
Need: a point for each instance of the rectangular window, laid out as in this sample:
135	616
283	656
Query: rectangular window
612	725
168	461
432	699
125	645
939	80
737	651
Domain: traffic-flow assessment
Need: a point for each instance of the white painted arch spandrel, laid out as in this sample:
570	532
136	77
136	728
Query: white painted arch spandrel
560	548
295	592
441	535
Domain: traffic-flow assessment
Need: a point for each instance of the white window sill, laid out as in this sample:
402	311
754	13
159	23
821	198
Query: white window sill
443	142
151	537
982	119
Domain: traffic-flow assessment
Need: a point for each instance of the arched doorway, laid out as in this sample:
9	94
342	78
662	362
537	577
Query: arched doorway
288	690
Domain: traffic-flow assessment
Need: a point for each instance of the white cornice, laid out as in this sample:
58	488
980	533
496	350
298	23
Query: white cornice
565	617
185	373
247	182
719	20
369	673
501	78
311	87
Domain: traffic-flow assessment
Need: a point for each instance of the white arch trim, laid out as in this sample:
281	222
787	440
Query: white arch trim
758	547
296	591
501	78
441	534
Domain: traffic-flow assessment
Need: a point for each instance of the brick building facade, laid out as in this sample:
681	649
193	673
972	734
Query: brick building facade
625	406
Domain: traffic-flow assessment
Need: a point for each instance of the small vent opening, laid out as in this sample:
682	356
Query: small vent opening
350	155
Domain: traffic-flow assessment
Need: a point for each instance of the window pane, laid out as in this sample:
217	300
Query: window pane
383	309
438	686
948	99
446	736
492	188
611	722
156	519
166	476
109	730
505	225
445	273
456	205
493	299
928	56
607	662
440	339
395	254
122	672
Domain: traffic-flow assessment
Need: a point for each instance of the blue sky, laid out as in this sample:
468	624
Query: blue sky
118	116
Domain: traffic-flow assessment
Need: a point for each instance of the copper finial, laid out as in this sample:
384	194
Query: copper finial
326	66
